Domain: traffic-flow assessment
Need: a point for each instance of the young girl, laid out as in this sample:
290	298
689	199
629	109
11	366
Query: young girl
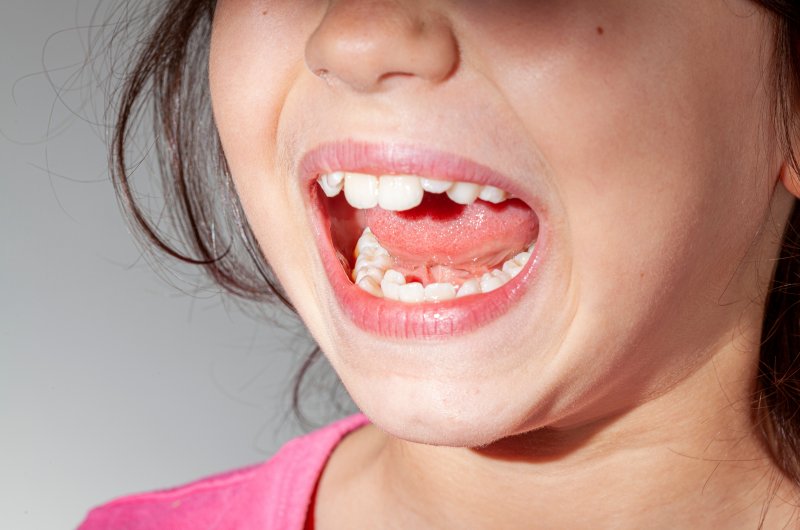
549	247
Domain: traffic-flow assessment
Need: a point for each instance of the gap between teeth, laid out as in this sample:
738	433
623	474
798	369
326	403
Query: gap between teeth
373	274
402	192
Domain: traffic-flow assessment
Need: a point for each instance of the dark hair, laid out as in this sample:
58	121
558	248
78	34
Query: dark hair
207	228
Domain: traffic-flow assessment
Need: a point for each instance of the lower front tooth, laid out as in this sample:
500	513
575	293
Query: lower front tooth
391	283
412	292
471	286
511	268
436	292
371	286
490	282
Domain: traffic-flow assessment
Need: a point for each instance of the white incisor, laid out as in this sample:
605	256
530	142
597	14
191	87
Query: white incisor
401	192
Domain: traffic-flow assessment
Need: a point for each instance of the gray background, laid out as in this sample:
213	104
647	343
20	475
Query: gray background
111	380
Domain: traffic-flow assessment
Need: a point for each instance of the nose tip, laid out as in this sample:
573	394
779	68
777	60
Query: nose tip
367	44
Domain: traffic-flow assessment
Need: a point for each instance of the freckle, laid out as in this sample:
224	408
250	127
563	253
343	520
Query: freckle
600	30
641	275
264	12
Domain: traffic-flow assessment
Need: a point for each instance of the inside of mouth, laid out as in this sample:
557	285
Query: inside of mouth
435	251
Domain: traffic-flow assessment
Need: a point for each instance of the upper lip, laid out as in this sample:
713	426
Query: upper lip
400	158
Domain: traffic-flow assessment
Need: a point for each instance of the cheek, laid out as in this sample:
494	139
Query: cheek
654	170
256	53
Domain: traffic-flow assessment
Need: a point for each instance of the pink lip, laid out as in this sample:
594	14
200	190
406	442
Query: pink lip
399	320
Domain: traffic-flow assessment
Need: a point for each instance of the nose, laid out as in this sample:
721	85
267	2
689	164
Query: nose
369	44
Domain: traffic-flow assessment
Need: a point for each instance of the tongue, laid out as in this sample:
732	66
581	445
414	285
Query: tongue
440	231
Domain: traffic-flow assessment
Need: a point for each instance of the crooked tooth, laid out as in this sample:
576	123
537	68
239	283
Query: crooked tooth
399	192
492	194
437	292
391	283
361	190
368	244
378	261
331	183
412	292
463	192
471	286
435	186
376	273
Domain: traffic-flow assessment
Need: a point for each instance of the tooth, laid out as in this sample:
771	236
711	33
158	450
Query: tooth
371	286
379	261
503	276
522	258
412	292
490	282
512	268
436	292
368	272
390	284
360	190
368	243
331	183
399	192
492	194
470	286
462	192
435	186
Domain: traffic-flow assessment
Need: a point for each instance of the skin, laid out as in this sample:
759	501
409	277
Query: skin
616	392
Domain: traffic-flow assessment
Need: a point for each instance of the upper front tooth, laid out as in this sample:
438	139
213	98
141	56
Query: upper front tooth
361	190
399	192
492	194
463	192
331	183
435	186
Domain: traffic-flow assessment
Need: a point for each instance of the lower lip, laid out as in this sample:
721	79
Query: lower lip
422	321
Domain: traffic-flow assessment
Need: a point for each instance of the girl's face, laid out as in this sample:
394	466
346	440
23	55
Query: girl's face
634	136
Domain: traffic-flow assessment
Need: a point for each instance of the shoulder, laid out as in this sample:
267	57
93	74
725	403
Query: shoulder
273	494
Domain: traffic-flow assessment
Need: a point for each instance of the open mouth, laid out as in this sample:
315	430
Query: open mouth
414	239
418	243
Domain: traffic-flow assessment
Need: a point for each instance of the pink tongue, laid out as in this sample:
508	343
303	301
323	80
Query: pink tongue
440	231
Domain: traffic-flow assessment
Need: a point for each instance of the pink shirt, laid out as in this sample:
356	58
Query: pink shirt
274	495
